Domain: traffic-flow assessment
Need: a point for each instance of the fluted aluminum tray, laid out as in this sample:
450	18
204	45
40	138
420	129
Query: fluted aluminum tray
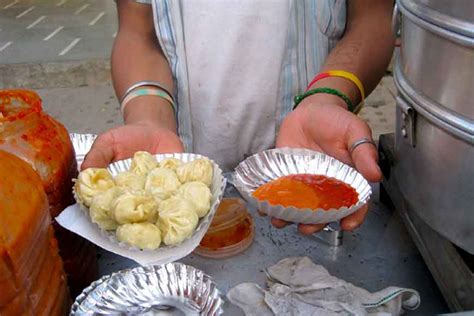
171	289
164	254
82	143
274	163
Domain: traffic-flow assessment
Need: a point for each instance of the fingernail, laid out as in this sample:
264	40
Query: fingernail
351	227
378	168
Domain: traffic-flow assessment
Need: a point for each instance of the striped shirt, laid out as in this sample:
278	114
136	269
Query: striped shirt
237	65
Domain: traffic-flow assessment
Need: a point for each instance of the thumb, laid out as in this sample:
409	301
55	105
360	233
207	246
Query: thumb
100	155
364	156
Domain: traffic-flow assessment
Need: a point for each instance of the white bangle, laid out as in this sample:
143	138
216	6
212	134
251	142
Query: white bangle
143	92
146	83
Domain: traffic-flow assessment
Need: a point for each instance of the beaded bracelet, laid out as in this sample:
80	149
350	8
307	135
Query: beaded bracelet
147	91
300	97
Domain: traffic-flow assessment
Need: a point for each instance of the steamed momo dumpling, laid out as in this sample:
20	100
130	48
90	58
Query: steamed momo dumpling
199	194
162	183
143	162
100	209
177	220
196	170
134	207
141	235
90	182
171	163
129	180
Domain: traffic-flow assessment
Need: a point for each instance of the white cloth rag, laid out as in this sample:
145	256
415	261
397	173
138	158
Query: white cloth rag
297	286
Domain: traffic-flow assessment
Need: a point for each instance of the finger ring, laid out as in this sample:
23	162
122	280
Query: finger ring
361	141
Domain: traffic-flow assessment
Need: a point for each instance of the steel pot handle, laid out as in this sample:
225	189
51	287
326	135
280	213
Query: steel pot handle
407	128
396	24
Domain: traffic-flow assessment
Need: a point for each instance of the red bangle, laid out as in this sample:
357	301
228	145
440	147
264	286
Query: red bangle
317	78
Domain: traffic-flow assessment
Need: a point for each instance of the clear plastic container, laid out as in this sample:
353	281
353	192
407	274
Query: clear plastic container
231	230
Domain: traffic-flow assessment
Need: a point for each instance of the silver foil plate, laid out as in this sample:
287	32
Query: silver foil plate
271	164
170	289
82	143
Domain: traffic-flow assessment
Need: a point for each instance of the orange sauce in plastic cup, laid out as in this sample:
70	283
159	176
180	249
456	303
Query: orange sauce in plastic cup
231	230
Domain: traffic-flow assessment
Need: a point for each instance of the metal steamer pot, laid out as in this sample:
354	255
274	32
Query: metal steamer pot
434	139
437	51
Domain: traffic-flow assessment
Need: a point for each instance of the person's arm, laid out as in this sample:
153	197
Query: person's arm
137	56
322	122
365	49
150	124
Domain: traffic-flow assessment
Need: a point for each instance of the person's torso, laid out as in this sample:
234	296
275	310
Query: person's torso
237	65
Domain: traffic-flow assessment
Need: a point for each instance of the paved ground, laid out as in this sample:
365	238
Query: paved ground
41	30
379	110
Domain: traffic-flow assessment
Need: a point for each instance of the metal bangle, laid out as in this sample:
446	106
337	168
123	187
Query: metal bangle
146	91
146	83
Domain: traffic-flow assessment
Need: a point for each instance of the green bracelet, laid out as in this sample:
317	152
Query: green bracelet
298	98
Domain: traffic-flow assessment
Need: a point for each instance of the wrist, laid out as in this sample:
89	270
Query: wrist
150	111
340	84
324	98
316	103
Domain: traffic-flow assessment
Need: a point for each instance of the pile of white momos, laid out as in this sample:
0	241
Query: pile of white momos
149	204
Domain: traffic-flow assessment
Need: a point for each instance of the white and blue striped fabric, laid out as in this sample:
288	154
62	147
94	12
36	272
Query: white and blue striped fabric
313	29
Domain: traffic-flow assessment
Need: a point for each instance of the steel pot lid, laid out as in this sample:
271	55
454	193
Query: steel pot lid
454	16
462	10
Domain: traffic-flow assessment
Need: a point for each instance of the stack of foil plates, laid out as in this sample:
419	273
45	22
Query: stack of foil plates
171	289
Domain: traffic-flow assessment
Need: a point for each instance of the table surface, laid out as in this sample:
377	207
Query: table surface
377	255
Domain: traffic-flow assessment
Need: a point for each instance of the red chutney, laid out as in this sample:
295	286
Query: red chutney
307	191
